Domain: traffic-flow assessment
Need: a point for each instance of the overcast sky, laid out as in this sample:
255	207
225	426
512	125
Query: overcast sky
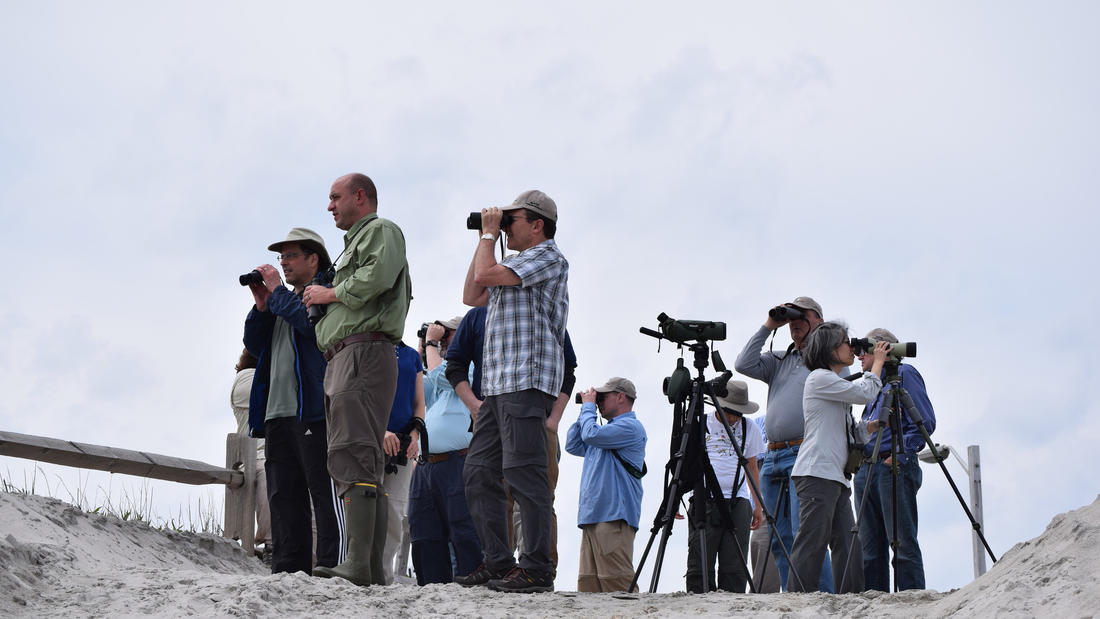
927	167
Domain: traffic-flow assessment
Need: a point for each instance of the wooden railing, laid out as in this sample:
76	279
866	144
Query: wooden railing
238	476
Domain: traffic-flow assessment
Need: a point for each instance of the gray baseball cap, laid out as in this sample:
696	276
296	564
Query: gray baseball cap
621	385
807	303
737	398
536	201
309	239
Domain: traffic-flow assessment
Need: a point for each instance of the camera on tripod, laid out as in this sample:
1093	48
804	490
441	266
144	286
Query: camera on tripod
897	350
684	331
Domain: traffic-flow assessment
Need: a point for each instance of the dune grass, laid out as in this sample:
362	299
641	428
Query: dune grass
129	503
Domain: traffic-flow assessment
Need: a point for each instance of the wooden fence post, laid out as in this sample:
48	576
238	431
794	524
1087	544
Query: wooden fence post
240	500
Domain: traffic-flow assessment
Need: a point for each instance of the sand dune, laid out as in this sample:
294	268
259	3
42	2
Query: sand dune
60	561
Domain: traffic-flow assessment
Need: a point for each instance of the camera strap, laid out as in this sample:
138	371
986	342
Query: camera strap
630	468
351	242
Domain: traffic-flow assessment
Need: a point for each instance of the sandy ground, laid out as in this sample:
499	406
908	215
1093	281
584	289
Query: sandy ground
59	561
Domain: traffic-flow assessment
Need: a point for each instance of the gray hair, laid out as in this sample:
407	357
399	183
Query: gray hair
823	340
882	335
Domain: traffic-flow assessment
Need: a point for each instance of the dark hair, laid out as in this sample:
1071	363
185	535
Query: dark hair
358	181
323	263
820	350
549	226
247	360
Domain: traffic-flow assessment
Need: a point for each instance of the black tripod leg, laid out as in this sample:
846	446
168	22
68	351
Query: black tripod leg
911	410
867	486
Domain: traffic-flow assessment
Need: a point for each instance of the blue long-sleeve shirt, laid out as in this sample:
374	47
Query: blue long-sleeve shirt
912	439
608	493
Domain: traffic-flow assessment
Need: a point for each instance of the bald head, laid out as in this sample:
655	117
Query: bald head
352	197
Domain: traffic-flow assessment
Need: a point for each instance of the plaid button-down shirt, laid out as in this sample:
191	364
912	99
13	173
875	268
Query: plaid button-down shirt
525	324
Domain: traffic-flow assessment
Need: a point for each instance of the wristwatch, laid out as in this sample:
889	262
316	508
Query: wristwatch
488	237
435	343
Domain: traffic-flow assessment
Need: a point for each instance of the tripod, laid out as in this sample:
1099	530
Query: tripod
689	464
898	399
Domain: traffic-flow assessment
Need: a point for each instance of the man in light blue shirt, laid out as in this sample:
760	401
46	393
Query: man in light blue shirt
439	519
611	485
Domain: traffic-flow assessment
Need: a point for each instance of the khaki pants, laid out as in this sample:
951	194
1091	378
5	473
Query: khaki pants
360	382
607	557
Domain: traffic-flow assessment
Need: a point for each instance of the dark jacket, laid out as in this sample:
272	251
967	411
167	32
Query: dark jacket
309	365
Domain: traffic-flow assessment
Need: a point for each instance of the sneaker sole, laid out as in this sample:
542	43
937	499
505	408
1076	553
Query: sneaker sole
527	589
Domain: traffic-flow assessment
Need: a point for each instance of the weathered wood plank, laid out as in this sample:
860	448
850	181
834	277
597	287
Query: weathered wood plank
114	460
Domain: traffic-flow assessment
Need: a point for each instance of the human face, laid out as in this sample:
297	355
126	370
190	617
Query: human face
521	233
866	359
610	404
844	353
801	327
298	267
346	206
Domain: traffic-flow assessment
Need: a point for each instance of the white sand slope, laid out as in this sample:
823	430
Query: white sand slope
59	561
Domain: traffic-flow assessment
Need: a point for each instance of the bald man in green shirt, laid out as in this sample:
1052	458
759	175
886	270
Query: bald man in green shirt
365	316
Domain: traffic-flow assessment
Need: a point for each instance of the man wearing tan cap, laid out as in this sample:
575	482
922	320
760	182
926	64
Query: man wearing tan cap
728	547
785	374
287	407
365	316
611	485
527	300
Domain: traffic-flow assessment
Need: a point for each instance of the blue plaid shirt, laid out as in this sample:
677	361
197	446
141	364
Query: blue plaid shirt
525	324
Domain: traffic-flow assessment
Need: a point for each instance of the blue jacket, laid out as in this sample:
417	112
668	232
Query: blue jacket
309	365
912	440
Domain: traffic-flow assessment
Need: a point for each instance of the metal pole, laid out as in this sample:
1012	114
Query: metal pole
974	471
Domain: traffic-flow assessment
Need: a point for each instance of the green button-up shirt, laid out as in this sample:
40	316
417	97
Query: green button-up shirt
372	284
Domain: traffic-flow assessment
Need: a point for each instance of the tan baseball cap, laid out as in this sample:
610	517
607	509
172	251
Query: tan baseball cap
451	323
536	201
621	385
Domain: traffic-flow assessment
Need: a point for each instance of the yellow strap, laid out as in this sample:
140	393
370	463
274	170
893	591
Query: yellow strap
365	484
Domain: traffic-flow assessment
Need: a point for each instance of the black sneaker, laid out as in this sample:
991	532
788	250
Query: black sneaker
520	580
481	576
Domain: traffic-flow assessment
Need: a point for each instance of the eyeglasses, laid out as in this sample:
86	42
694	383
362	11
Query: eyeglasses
291	256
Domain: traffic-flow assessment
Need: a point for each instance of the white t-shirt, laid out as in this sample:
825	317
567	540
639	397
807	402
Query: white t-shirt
724	458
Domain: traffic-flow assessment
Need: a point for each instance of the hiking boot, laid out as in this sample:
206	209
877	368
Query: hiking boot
481	576
520	580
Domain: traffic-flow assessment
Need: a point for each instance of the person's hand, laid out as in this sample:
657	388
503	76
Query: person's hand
757	517
589	396
272	279
882	350
260	293
490	221
318	295
436	332
414	446
391	444
552	423
473	409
